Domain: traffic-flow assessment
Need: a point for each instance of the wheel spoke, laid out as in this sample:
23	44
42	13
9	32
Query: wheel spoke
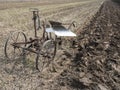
48	54
17	37
13	39
12	52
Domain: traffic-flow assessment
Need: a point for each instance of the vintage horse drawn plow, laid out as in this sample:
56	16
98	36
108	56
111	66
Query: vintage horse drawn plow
45	47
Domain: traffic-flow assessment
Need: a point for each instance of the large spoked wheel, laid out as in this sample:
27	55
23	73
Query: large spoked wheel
13	51
47	54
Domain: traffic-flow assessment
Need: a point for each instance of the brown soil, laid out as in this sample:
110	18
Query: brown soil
94	65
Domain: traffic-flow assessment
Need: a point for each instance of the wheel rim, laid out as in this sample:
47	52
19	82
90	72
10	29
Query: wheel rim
12	52
47	55
43	62
49	49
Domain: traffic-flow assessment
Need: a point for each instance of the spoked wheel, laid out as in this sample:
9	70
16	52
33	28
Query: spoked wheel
13	51
49	49
46	55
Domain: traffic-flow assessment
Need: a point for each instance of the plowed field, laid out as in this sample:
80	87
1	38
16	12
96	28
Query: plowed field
95	63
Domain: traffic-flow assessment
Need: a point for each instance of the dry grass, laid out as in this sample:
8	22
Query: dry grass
20	18
16	16
18	4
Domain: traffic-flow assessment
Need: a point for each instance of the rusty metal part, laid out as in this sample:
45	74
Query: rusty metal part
45	48
9	49
36	21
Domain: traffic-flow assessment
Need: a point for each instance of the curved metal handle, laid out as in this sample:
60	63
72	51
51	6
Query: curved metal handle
72	24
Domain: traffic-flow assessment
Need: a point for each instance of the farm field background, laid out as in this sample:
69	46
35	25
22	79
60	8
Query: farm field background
15	16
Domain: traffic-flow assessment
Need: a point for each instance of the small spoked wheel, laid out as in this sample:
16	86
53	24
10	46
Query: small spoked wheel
49	49
12	50
46	55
